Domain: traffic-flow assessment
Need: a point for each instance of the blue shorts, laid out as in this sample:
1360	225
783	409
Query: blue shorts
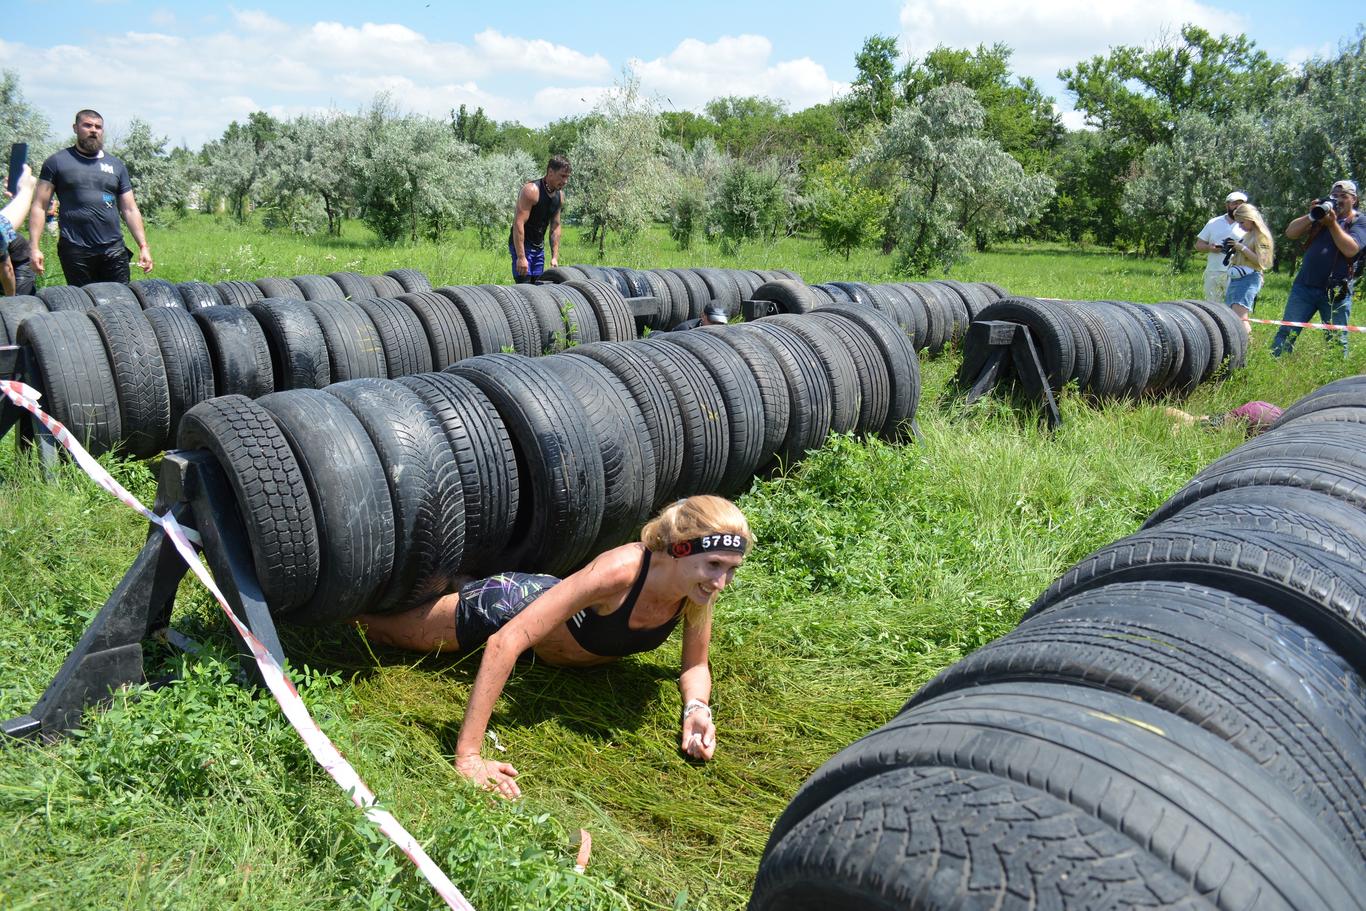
486	605
535	263
7	231
1243	289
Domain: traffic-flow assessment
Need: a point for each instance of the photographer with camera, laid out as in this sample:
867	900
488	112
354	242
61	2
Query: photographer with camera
1211	240
1332	258
1246	260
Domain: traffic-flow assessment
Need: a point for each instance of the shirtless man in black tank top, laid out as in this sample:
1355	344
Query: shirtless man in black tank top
538	208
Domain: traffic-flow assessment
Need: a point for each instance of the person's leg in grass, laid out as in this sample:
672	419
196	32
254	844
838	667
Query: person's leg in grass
1302	304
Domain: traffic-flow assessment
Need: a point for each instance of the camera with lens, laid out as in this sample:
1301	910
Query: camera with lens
1228	249
1321	209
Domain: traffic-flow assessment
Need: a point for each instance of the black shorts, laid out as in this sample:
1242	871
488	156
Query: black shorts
486	605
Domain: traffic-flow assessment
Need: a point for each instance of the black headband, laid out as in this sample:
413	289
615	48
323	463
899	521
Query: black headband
735	544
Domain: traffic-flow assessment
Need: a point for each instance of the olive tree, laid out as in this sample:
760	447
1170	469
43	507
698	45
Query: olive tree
161	182
619	173
486	192
952	182
307	183
692	175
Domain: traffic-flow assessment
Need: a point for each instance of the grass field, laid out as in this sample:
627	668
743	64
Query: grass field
878	565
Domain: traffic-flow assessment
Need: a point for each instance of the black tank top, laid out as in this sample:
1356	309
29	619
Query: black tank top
542	214
610	636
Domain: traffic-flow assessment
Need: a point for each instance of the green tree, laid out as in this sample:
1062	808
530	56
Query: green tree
752	202
848	211
746	126
161	184
619	175
406	169
474	129
693	173
309	184
873	93
21	121
228	170
486	193
954	183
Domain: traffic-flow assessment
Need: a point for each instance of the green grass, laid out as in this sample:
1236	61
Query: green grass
878	565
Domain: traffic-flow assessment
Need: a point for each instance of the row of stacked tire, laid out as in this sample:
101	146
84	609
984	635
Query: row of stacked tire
372	494
1179	722
121	366
934	314
683	293
1115	349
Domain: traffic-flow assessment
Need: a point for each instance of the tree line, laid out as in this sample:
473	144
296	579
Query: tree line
925	160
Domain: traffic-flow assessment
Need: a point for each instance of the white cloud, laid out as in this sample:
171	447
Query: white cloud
695	72
1049	35
539	56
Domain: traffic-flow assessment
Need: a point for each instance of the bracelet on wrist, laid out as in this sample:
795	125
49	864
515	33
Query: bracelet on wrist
695	705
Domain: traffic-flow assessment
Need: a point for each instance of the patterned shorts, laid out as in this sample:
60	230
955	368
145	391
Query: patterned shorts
486	605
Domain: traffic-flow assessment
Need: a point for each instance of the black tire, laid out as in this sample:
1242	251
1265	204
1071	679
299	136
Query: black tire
156	292
994	292
934	838
671	294
14	310
1226	664
354	349
722	289
1343	443
551	329
1342	515
616	322
744	405
1195	347
237	293
580	324
75	377
773	391
318	288
662	420
1214	336
846	397
139	377
909	314
59	298
353	285
199	294
298	349
627	454
1335	395
1231	333
488	325
561	274
424	487
104	293
937	317
384	286
901	361
808	388
1146	342
269	487
1113	356
239	351
412	280
1332	478
1052	335
521	320
407	349
561	504
346	487
1342	415
955	301
443	326
185	355
488	464
279	288
1177	793
874	384
698	295
1274	520
706	425
790	296
1308	586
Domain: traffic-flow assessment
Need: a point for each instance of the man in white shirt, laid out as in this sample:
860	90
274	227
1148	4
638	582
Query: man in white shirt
1211	240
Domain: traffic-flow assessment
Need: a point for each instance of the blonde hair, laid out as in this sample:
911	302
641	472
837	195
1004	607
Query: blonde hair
1263	247
692	517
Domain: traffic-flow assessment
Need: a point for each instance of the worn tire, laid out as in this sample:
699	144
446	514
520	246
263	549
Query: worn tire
139	377
104	293
354	286
407	349
488	325
298	348
318	288
354	349
75	375
239	351
198	294
185	355
238	293
443	327
279	288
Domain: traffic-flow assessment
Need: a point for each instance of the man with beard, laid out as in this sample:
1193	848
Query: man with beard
93	189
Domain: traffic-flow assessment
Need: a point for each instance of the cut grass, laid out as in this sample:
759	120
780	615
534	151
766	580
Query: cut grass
878	565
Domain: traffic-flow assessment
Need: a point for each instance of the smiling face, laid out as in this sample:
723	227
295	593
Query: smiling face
705	575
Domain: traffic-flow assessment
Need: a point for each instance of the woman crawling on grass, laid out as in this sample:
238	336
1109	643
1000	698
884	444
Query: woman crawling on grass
626	601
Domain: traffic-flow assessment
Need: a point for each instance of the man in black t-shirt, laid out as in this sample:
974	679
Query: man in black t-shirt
538	208
93	189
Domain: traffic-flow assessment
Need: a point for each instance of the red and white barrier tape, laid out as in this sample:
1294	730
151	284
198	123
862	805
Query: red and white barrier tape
1282	322
281	688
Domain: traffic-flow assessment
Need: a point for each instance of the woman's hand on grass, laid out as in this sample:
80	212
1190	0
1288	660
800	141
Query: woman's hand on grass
698	740
499	777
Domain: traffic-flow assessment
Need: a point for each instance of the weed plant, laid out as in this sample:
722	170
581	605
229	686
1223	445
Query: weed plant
878	565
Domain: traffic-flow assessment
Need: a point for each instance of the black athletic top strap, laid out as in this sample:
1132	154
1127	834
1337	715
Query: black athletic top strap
611	636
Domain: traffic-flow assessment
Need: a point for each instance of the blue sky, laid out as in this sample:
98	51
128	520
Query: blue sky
189	69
